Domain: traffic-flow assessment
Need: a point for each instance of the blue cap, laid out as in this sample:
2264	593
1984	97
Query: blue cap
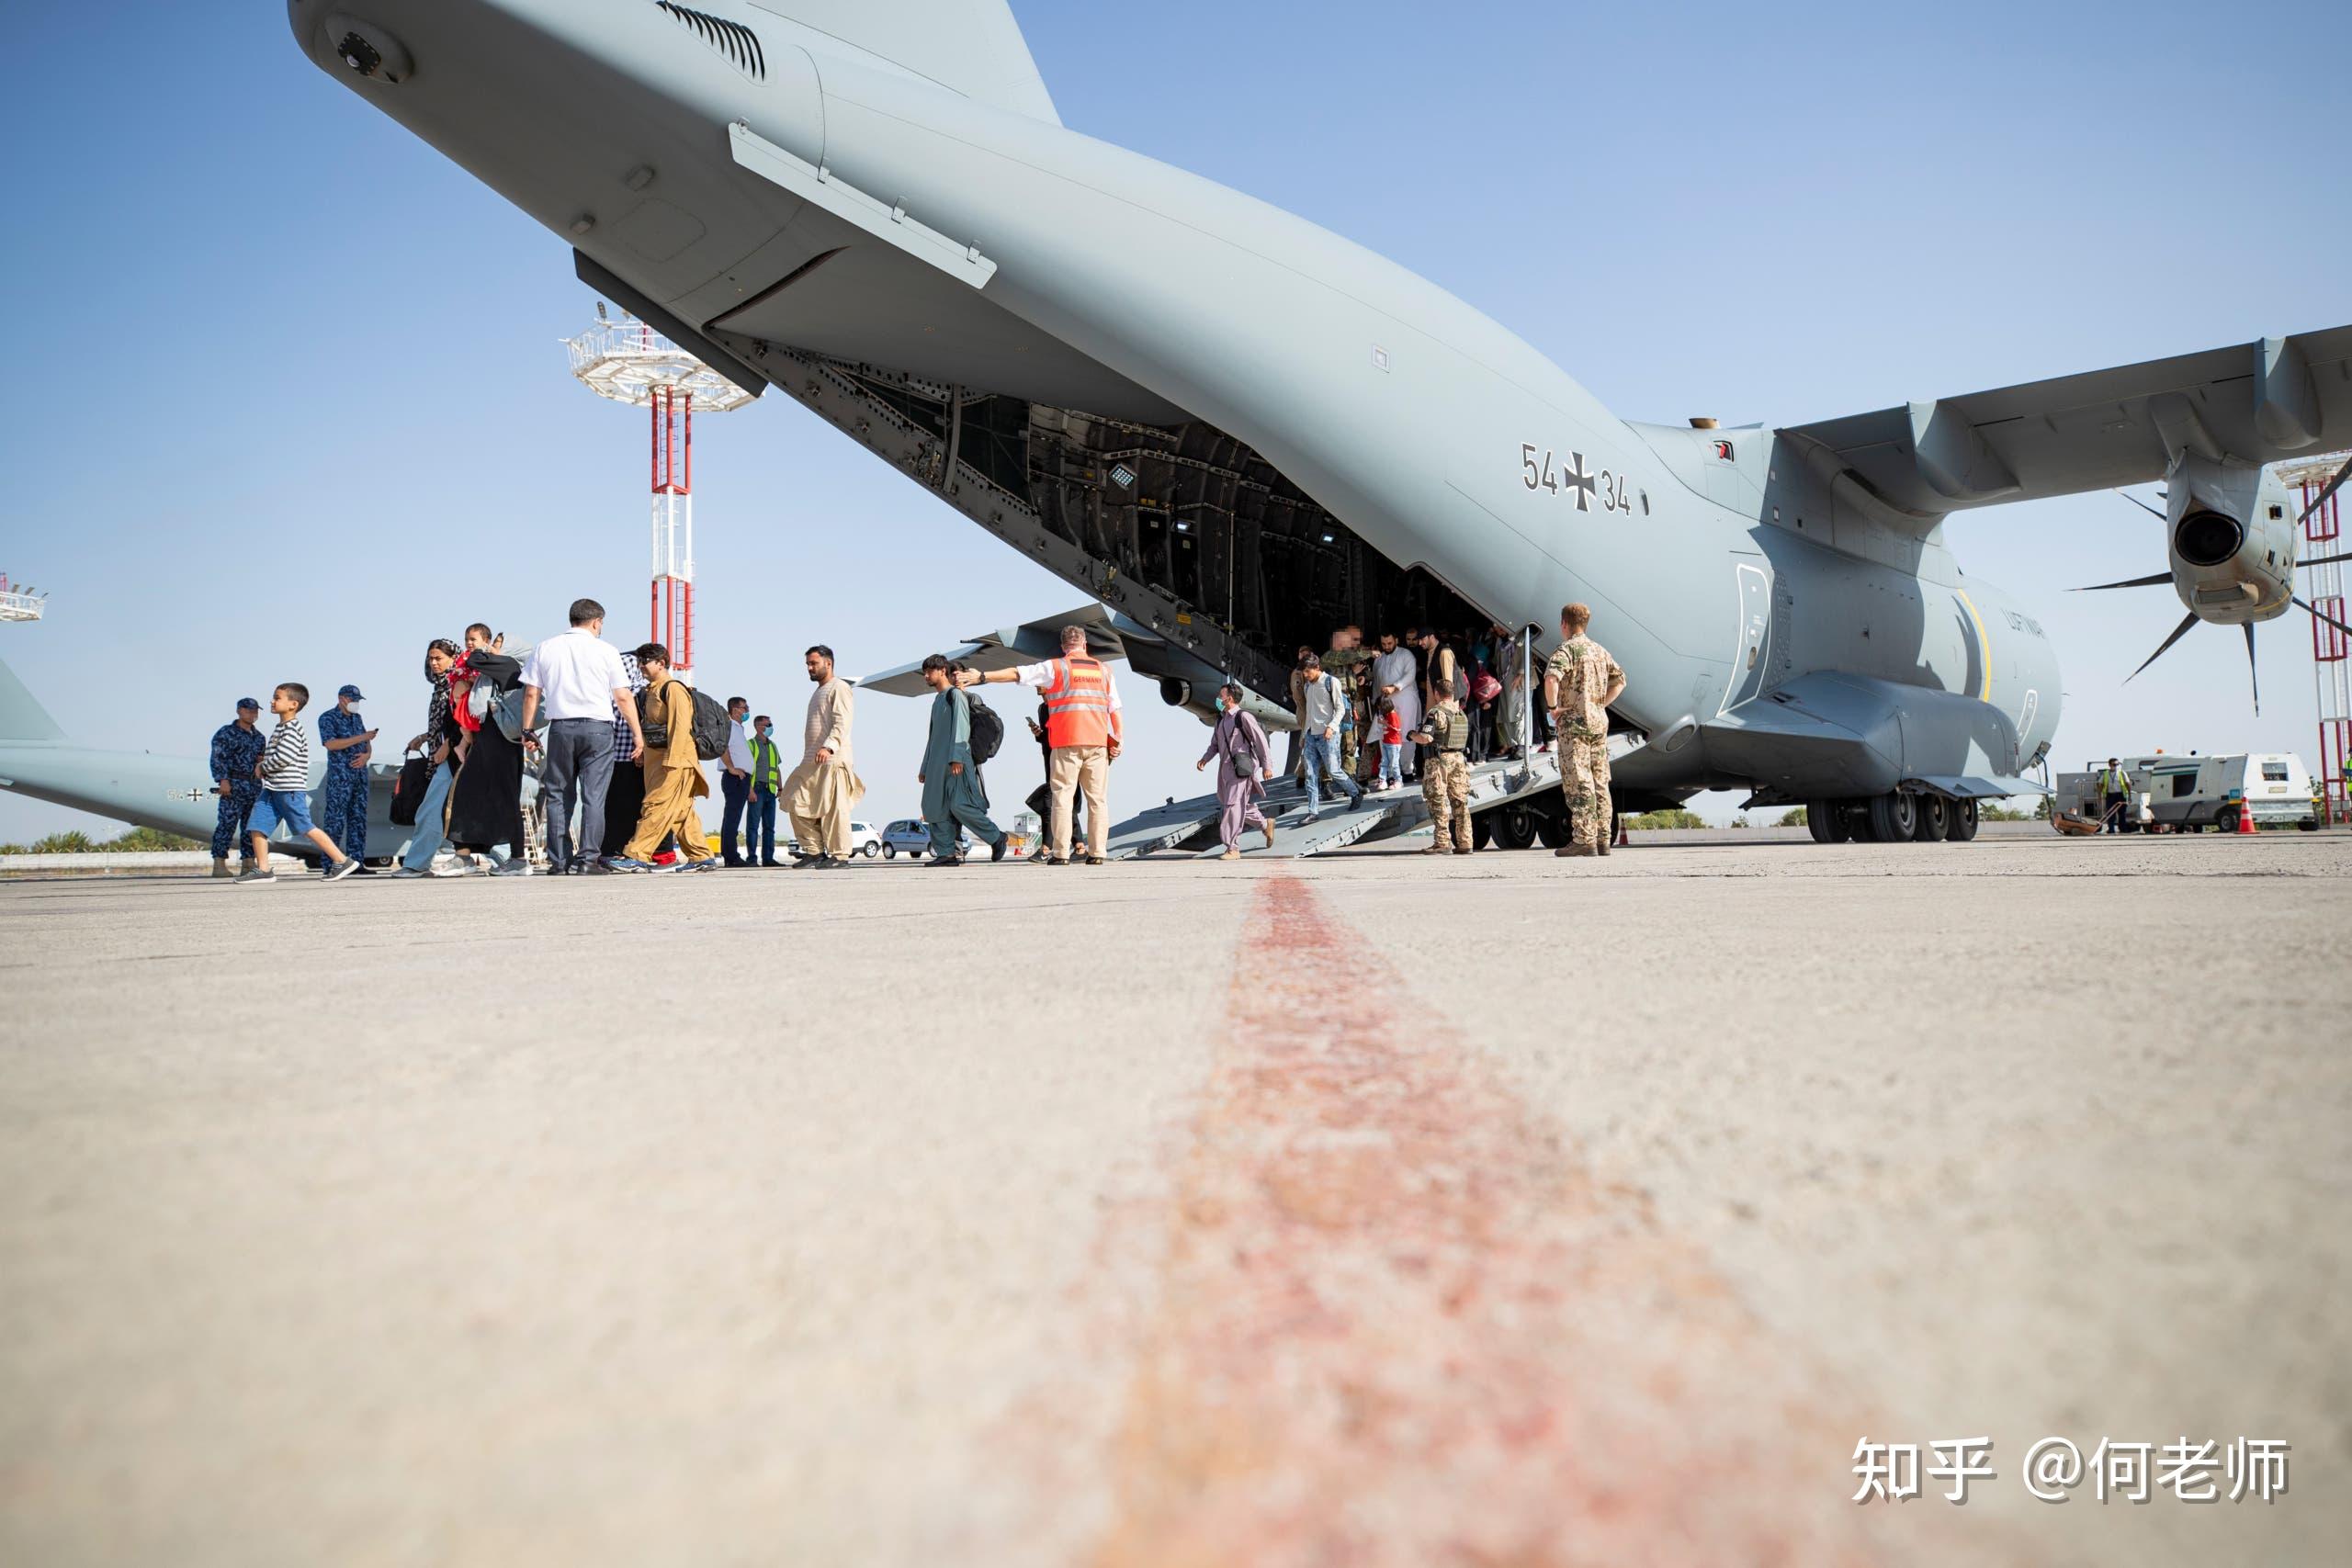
249	703
353	693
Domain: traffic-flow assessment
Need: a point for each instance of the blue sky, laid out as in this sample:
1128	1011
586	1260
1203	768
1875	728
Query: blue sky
287	398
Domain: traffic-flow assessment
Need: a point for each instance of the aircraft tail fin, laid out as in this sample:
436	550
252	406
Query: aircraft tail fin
973	47
22	718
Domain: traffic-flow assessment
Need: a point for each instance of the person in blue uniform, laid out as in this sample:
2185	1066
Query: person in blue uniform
236	748
343	736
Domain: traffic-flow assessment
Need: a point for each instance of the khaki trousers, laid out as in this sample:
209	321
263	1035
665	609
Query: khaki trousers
1087	768
668	809
819	797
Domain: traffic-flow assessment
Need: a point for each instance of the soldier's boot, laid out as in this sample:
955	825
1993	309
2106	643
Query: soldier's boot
1572	852
220	871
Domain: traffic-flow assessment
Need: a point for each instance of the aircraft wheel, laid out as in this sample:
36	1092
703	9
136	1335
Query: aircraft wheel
1960	824
1935	819
1555	829
1514	826
1826	821
1482	829
1894	818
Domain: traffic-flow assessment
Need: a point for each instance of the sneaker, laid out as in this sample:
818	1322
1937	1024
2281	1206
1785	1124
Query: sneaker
454	866
998	849
623	865
830	863
513	868
342	868
712	865
403	874
947	865
597	868
255	877
364	869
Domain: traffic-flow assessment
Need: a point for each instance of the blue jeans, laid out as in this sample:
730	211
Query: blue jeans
735	789
1392	764
425	842
759	829
1323	757
578	755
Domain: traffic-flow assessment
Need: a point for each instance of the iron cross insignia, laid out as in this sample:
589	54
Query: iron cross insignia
1573	473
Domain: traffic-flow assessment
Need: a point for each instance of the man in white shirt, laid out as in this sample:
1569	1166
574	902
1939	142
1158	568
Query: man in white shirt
580	679
734	781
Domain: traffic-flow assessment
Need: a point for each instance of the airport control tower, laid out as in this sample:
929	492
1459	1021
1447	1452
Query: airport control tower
629	362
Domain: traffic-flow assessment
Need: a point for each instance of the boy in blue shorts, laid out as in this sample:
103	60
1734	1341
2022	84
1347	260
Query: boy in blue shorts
285	773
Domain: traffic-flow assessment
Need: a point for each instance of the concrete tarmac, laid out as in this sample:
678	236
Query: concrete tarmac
1375	1209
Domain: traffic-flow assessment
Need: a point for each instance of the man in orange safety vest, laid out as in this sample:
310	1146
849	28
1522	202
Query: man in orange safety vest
1082	727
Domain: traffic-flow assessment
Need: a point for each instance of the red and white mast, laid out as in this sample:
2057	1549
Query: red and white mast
630	363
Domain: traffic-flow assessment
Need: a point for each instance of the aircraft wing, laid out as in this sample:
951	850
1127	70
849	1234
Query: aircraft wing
1008	646
2258	402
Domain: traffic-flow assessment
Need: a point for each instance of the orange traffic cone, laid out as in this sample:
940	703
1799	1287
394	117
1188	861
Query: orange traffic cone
2246	816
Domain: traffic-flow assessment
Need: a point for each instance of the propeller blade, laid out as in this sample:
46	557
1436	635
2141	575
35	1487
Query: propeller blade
2323	616
2321	500
2251	673
2177	632
2143	506
2127	582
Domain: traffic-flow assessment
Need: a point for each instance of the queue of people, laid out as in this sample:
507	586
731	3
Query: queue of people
617	742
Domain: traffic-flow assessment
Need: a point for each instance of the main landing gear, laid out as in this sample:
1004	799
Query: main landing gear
1897	818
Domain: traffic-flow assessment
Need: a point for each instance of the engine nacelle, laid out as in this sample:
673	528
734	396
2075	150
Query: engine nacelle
2230	535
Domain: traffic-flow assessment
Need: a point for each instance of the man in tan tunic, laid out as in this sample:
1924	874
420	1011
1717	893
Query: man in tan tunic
824	788
673	780
1579	683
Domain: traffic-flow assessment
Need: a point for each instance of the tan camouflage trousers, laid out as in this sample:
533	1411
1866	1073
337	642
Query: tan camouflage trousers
1445	784
1584	784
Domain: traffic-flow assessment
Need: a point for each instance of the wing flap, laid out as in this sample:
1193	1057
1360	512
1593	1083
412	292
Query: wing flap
2258	402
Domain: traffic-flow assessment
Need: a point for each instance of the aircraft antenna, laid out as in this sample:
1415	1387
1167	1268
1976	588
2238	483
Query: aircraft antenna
628	362
19	602
2322	557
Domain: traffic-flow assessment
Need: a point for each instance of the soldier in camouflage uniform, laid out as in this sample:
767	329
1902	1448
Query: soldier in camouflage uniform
343	792
1579	683
236	749
1348	660
1444	736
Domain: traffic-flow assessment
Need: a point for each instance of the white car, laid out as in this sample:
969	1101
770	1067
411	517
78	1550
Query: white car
863	840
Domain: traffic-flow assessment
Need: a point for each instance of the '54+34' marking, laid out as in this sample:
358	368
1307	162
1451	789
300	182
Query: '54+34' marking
1572	478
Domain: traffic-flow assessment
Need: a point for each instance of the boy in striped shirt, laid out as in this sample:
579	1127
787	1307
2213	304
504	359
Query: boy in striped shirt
285	773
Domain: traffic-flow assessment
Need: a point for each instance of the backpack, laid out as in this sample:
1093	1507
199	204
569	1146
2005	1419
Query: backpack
987	730
506	711
710	721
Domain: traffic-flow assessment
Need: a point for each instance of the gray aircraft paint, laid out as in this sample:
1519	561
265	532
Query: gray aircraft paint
887	185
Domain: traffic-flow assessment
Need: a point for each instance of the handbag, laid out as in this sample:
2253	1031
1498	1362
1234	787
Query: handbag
408	789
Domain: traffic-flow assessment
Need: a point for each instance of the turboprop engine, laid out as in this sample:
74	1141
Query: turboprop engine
2232	540
2230	536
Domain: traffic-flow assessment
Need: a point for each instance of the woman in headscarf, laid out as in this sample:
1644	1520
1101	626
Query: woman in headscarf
439	742
486	802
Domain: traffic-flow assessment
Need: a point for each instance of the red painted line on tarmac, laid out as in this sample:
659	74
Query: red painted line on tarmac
1401	1324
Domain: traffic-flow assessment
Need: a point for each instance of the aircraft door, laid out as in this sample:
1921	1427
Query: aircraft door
1755	636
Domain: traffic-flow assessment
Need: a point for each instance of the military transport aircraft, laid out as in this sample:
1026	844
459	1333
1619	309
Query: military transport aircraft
1236	431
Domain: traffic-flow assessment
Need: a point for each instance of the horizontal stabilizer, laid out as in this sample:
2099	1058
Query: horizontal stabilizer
21	717
2258	402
